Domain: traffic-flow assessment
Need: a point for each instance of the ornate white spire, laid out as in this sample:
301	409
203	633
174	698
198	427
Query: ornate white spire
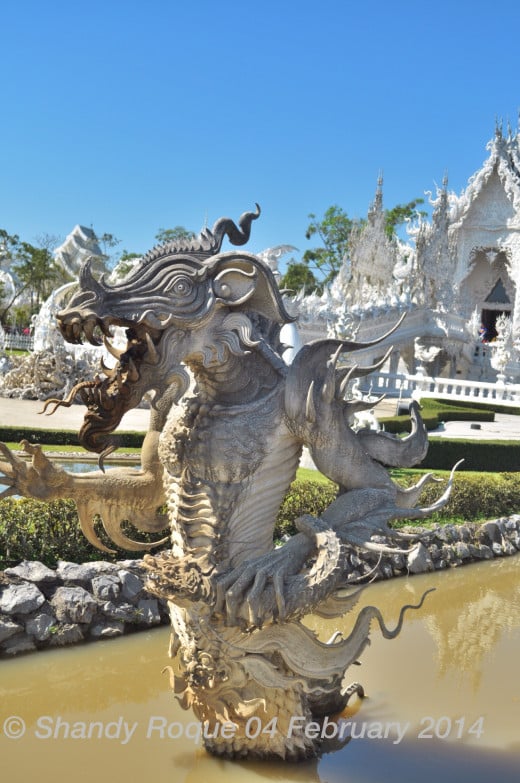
376	207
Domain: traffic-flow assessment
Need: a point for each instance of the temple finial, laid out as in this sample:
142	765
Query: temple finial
377	205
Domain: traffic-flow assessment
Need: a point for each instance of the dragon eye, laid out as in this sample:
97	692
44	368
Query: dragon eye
182	287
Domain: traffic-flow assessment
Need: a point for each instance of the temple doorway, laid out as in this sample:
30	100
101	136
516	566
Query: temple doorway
497	303
489	320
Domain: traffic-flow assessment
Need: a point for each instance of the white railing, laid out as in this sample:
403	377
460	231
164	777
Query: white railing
419	385
21	342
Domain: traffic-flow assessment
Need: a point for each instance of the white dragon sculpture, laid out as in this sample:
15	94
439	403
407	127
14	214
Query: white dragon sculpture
222	454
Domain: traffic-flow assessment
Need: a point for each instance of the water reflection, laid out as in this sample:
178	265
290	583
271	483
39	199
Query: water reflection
454	662
477	617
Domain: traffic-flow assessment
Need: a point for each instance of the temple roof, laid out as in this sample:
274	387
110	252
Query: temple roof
502	165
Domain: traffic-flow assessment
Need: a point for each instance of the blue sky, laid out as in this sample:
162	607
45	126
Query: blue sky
131	116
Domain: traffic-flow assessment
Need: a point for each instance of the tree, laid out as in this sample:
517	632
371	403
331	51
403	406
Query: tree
38	273
107	241
8	245
174	234
299	276
124	265
48	241
400	214
334	230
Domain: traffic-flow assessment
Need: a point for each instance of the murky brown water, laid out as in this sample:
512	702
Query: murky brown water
446	692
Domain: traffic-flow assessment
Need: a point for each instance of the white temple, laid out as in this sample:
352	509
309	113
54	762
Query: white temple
456	278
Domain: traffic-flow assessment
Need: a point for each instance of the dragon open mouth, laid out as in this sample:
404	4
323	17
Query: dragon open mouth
117	389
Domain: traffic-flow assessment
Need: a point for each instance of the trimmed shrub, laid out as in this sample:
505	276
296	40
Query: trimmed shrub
62	437
483	455
435	411
398	425
474	497
303	497
36	530
473	404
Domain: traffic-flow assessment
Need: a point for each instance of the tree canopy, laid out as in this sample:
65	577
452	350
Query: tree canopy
34	271
320	265
174	234
399	214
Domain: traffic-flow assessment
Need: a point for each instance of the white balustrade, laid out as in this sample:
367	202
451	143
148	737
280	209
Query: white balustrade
21	342
419	385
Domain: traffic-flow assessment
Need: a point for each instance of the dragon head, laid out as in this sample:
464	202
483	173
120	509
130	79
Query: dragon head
176	291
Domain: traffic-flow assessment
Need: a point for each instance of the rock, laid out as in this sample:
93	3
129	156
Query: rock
33	571
74	572
131	585
21	599
497	549
104	567
419	560
73	605
106	630
128	613
398	561
41	627
462	550
447	534
501	524
106	587
8	628
148	611
70	633
18	644
489	533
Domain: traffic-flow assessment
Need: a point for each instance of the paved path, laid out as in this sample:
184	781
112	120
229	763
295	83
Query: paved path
505	426
26	413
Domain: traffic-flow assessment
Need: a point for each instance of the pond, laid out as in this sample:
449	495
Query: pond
446	692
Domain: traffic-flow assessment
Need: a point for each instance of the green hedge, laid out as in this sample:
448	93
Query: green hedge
435	411
482	455
431	402
61	437
303	497
33	530
475	496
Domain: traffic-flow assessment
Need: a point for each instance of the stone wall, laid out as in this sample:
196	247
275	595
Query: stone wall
42	607
443	547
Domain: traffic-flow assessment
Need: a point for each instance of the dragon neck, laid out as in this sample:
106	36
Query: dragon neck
236	380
